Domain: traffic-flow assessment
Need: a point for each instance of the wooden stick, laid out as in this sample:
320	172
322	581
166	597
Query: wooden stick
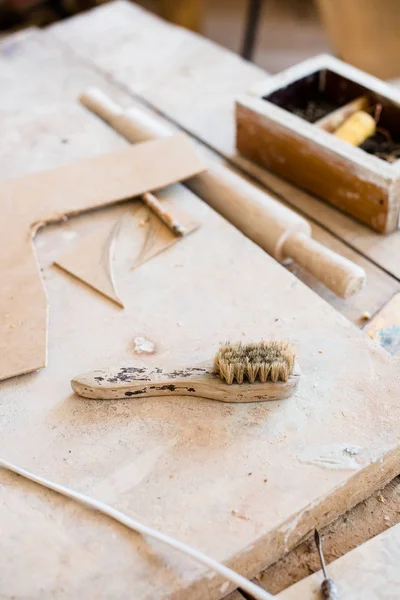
267	222
155	205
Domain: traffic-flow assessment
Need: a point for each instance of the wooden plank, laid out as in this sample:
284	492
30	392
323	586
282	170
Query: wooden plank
46	114
196	86
370	572
166	462
385	326
365	521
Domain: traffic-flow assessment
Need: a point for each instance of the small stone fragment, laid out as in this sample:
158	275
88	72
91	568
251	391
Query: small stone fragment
239	515
142	345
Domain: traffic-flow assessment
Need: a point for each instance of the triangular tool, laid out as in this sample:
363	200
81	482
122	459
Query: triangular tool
90	261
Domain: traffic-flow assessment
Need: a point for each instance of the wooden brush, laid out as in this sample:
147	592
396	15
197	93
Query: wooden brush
239	373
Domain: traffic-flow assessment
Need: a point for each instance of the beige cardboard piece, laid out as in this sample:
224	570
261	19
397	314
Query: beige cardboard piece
369	572
158	236
29	203
90	260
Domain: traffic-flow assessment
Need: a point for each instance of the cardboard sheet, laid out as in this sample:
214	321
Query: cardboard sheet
90	261
29	203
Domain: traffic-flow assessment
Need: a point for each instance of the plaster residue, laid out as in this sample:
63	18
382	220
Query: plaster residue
224	587
338	456
128	475
289	528
69	235
142	345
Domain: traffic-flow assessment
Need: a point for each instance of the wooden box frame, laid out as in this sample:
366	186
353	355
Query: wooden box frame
363	185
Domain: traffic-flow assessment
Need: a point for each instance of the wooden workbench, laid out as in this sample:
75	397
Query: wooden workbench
194	83
137	57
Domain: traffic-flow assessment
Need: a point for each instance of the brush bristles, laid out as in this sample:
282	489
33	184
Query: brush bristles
265	361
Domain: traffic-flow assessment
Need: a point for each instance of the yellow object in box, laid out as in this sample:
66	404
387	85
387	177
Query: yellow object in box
357	128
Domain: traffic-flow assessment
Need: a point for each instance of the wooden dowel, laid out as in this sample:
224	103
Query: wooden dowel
155	205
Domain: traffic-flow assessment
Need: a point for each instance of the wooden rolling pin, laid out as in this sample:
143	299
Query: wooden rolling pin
280	231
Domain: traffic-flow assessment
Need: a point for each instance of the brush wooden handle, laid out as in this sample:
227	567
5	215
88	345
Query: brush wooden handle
267	222
122	383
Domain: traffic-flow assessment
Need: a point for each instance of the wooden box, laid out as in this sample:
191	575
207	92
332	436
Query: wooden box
272	135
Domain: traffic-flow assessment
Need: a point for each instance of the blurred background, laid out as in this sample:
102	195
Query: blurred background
272	33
